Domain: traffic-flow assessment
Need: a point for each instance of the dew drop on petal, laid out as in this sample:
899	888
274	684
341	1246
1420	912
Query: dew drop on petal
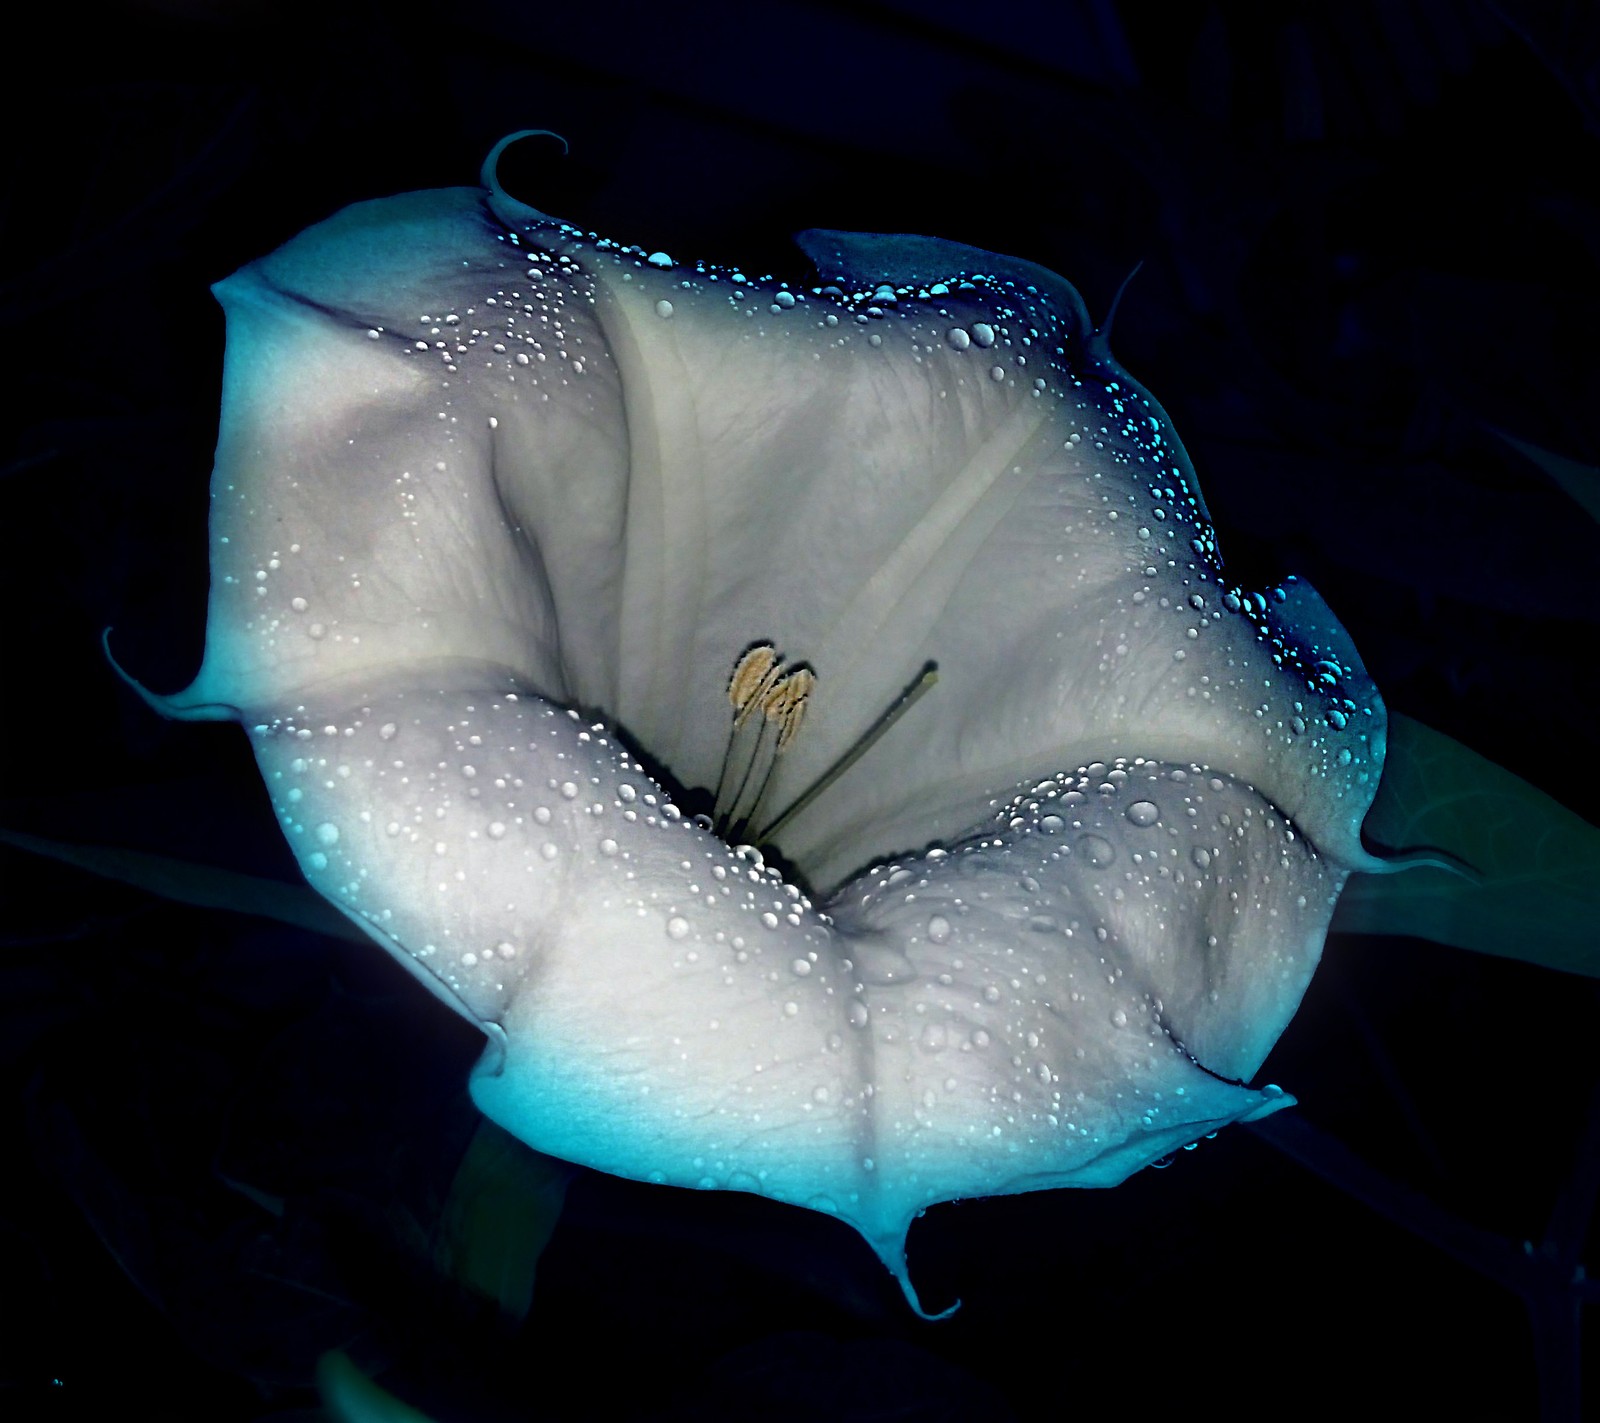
1097	850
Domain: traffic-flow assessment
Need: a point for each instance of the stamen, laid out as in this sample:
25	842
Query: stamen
753	676
748	686
784	706
869	738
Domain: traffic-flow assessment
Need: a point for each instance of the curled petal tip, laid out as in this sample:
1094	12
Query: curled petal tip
174	707
512	210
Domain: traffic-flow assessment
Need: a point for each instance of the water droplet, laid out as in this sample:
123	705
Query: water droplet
801	967
316	630
317	860
933	1037
327	833
497	830
659	259
958	338
608	846
1051	824
939	929
1143	813
664	309
857	1013
784	299
677	927
626	793
548	851
1119	1018
569	790
506	950
1201	856
983	334
388	731
299	604
1096	850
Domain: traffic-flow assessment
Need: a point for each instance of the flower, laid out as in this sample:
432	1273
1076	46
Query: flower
527	543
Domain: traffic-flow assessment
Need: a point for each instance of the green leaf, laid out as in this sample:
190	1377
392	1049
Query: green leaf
349	1396
1537	892
204	885
1580	482
501	1211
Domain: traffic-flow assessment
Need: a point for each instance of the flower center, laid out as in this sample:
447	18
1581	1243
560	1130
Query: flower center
769	699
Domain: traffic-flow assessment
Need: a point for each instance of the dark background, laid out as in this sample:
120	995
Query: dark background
1370	235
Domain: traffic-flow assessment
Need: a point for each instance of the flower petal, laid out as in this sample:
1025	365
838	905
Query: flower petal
1057	1001
452	441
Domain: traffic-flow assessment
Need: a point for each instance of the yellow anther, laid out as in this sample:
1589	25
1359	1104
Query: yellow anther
785	705
753	677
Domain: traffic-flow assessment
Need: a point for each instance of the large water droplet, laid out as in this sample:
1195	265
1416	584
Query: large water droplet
939	929
1097	850
327	833
677	927
1143	813
958	338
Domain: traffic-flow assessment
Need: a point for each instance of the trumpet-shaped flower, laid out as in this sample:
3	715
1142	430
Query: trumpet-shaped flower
558	583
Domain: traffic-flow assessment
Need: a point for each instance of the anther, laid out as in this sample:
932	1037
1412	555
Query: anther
753	676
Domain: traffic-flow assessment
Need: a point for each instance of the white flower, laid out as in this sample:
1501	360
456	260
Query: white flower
499	507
